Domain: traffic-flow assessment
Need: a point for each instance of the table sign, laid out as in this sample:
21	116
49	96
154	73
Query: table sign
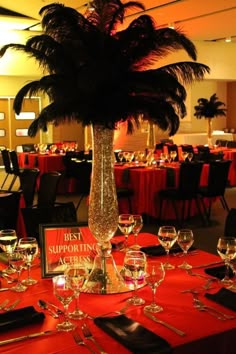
64	243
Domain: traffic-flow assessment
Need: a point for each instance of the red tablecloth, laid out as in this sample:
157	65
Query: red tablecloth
204	333
146	183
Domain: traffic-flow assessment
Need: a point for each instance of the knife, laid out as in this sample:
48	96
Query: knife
167	325
28	336
4	289
207	264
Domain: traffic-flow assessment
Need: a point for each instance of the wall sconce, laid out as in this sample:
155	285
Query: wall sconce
171	25
228	39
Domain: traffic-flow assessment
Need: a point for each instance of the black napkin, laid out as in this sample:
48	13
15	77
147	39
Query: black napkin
20	317
132	335
160	251
219	272
224	297
126	173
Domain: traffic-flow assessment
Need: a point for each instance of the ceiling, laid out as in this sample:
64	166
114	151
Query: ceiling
208	20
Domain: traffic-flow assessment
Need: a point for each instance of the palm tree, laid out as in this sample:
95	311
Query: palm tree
209	109
98	75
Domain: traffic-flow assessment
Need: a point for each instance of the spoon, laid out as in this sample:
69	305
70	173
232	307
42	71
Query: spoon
44	306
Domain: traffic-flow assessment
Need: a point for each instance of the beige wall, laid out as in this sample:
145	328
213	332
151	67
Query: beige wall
16	70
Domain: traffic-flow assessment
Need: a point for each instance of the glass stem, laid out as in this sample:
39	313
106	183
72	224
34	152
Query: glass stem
77	302
154	295
66	313
167	255
28	270
135	295
227	270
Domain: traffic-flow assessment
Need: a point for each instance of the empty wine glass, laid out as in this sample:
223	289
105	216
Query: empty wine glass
185	241
63	291
173	155
120	156
190	156
77	273
226	248
167	236
125	224
17	261
8	241
134	271
154	276
30	245
184	155
138	224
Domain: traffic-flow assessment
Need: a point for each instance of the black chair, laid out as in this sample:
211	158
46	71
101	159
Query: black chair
15	165
47	190
57	214
8	168
164	141
231	144
9	209
28	147
187	148
28	182
216	185
230	223
125	193
186	192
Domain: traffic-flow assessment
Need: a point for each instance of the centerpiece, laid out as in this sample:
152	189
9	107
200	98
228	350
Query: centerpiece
100	76
209	109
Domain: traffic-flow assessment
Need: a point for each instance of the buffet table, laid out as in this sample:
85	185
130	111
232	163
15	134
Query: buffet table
204	333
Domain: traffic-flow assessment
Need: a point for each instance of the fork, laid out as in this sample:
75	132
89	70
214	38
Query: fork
88	335
12	306
78	339
3	304
219	314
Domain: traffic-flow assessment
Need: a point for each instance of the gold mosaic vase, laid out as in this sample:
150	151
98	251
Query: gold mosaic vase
103	213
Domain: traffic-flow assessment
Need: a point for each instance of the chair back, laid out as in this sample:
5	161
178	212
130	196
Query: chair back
6	160
9	209
230	223
57	214
173	147
189	178
187	148
218	177
48	189
28	147
28	181
15	162
82	172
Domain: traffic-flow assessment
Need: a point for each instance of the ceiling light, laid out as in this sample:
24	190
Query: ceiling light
228	39
171	25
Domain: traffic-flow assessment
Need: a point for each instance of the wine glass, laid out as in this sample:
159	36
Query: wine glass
77	273
126	224
138	224
173	155
120	156
185	241
63	291
226	248
8	241
17	262
154	276
190	156
30	245
167	236
134	271
184	155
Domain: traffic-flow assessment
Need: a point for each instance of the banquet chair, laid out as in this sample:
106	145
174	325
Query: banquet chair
57	214
216	185
28	147
187	148
184	193
8	169
47	190
28	182
15	164
9	209
230	223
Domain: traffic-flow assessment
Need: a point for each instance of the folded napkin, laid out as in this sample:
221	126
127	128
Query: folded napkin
224	297
219	272
170	176
132	335
160	251
20	317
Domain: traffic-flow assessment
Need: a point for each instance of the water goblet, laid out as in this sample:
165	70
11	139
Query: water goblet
63	291
125	224
134	272
138	224
173	155
30	245
17	262
167	236
154	276
226	248
8	242
77	274
184	155
185	241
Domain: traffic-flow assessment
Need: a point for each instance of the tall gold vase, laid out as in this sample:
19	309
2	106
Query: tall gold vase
103	214
209	132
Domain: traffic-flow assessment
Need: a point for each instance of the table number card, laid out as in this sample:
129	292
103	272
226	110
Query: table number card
65	243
